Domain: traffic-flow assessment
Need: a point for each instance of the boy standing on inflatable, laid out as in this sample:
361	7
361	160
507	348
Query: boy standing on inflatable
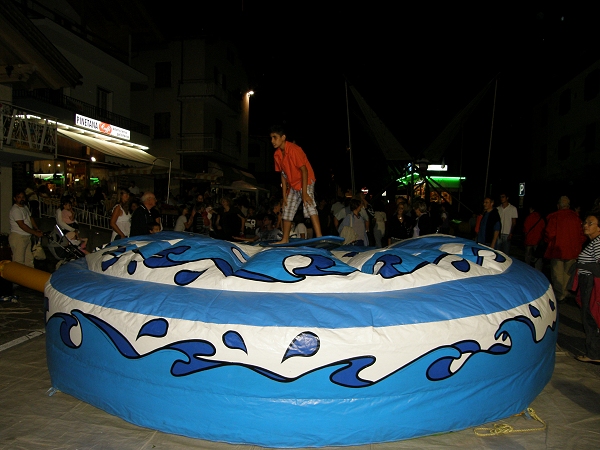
297	182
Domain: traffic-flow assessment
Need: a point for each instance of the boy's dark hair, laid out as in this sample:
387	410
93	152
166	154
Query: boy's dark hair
278	129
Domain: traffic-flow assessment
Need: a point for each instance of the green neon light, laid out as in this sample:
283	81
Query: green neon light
437	179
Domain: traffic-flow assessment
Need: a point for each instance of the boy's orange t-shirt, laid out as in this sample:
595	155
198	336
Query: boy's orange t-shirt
290	165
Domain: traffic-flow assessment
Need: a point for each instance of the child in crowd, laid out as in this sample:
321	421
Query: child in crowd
80	243
67	214
154	228
183	222
71	229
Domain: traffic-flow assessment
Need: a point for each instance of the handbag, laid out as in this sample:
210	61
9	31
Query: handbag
348	233
38	251
542	246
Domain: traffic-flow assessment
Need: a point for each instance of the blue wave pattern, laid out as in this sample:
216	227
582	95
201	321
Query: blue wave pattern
272	265
305	344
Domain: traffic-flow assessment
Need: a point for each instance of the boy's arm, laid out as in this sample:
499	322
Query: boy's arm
305	197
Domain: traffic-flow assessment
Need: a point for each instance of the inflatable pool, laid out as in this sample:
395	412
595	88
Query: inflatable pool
300	347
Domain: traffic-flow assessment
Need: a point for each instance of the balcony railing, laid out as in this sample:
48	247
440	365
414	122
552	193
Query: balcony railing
56	98
206	143
27	130
195	88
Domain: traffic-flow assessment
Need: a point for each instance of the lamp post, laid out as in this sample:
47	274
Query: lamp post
169	178
350	142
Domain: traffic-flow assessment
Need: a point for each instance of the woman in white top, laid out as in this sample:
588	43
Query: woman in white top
183	221
120	221
380	219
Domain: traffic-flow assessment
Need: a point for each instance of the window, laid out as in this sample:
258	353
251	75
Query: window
564	145
218	135
103	100
591	86
589	143
162	125
564	103
220	79
162	74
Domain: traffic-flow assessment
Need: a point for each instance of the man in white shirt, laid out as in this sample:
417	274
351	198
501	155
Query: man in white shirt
22	226
508	218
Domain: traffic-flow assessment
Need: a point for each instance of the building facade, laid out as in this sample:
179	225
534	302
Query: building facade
565	152
197	101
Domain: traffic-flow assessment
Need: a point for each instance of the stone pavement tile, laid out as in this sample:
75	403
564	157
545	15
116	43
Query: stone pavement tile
23	317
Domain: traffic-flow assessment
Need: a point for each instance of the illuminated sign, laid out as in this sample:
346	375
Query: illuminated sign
445	182
102	127
437	168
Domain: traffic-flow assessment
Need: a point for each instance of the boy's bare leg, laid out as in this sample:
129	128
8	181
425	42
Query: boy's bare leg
287	226
316	225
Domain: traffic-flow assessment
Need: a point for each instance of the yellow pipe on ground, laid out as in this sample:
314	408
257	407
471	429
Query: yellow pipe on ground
24	275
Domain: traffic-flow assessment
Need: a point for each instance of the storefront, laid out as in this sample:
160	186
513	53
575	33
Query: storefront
435	189
87	156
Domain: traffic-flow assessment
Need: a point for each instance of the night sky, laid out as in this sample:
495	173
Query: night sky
417	67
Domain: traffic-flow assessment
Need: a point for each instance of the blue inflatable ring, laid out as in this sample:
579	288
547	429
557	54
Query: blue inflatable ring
300	347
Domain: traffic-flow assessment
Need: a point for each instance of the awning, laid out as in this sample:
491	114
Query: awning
112	149
245	186
154	171
208	176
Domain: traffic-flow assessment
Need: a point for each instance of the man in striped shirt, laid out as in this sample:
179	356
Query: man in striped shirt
588	281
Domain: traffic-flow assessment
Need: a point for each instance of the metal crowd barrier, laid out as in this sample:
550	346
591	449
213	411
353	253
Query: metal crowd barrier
91	218
49	206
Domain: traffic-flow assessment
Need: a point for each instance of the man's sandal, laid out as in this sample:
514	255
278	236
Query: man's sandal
585	359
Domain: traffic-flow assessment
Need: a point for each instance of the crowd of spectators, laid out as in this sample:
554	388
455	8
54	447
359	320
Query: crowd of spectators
567	241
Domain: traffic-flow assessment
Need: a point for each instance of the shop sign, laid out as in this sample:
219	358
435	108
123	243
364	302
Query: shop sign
102	127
